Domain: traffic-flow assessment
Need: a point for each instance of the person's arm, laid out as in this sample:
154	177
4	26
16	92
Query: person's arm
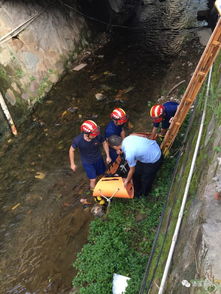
71	157
129	176
106	150
123	134
163	132
153	133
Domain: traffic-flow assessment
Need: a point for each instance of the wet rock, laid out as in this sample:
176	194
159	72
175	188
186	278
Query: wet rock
25	96
99	96
105	87
15	87
72	109
33	86
94	116
53	78
204	35
10	96
74	291
97	210
33	199
5	57
30	59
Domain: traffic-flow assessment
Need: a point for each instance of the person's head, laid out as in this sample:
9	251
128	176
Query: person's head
115	142
119	116
157	113
90	128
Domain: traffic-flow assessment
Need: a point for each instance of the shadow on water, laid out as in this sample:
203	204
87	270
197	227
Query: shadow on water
43	226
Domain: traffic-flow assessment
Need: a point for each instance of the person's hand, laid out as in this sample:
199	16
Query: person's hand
125	183
108	159
73	167
171	119
152	137
119	152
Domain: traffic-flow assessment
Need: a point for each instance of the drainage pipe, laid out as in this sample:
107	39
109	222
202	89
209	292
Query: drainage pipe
8	115
180	216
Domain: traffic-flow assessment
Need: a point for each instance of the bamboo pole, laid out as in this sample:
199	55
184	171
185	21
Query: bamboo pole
8	115
20	27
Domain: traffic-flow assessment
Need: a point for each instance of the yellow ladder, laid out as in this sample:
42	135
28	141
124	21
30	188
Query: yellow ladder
206	61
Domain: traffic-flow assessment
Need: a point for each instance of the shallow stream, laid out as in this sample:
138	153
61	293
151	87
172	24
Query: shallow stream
42	224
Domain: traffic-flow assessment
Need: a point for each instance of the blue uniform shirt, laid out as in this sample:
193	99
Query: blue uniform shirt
89	151
140	149
170	110
112	129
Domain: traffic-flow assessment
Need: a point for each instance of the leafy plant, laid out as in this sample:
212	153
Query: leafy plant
217	149
19	73
121	243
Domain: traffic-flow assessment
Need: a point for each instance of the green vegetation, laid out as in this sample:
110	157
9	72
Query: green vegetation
122	242
19	73
216	90
4	79
204	155
45	85
3	73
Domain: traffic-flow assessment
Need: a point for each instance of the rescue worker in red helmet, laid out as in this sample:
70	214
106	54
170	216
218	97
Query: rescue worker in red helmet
116	127
88	143
162	113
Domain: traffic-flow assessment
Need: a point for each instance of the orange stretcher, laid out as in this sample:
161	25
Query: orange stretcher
113	186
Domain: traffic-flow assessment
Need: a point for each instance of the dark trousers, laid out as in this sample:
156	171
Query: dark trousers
144	176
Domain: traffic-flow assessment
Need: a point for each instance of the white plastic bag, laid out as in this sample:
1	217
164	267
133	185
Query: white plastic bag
119	284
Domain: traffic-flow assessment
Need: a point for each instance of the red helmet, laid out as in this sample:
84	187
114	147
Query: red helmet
90	127
120	115
156	112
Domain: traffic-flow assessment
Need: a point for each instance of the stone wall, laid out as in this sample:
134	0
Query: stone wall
172	21
33	57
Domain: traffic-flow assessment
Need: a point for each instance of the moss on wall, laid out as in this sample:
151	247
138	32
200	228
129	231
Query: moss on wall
203	160
4	79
